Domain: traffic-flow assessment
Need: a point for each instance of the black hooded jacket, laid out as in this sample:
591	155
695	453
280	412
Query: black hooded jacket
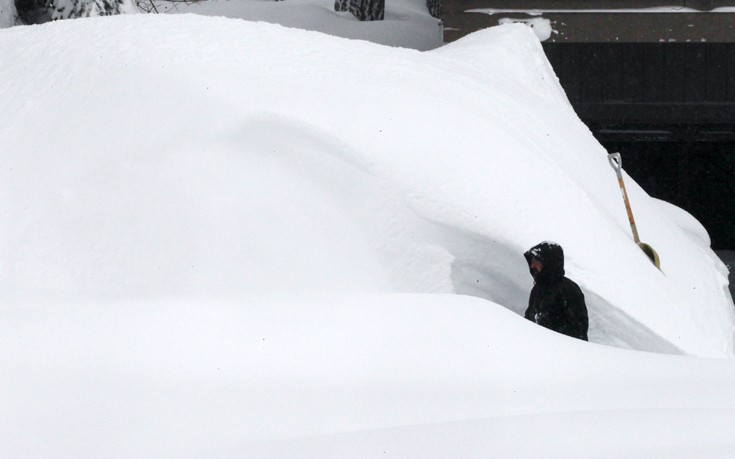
556	302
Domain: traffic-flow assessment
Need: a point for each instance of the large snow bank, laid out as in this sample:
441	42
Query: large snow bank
259	158
193	156
207	226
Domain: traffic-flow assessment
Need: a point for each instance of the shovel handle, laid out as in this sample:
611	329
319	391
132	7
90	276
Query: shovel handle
616	161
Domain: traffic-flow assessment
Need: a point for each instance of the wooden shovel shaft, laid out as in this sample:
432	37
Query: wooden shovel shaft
617	163
628	209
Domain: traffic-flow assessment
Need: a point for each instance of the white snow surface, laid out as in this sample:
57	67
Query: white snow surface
225	238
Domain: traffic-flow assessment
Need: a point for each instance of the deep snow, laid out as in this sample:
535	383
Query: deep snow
226	237
260	159
435	376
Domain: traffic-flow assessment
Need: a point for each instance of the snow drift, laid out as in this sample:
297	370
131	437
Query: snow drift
232	239
189	156
404	375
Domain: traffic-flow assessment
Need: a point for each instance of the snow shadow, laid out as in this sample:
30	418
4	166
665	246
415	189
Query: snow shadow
400	237
485	268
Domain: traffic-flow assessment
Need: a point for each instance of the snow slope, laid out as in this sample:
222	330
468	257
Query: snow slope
224	238
436	376
175	159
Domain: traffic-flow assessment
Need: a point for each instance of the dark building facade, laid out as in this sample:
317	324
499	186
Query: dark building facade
654	80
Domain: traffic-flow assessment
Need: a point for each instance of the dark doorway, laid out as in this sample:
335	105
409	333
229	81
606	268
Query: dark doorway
696	176
669	109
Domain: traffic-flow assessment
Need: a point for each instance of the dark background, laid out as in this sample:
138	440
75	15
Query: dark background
668	108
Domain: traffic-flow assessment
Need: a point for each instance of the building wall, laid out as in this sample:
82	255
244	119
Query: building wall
648	83
600	21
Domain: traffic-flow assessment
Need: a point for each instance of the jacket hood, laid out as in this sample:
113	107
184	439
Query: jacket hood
551	256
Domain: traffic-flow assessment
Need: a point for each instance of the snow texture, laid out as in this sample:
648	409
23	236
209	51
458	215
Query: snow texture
226	238
282	159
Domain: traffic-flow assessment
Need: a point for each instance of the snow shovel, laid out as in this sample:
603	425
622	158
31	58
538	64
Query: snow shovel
617	163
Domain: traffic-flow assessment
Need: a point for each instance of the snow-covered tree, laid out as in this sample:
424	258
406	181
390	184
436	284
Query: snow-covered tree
40	11
364	10
367	10
163	6
8	14
435	7
67	9
341	5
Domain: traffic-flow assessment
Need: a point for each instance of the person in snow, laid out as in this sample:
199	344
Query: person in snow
556	302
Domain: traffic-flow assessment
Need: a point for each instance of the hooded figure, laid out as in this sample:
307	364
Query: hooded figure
556	302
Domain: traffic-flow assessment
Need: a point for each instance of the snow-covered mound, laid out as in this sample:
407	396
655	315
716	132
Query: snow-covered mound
419	376
197	157
229	239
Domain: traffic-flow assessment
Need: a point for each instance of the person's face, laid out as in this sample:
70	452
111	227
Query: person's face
536	267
